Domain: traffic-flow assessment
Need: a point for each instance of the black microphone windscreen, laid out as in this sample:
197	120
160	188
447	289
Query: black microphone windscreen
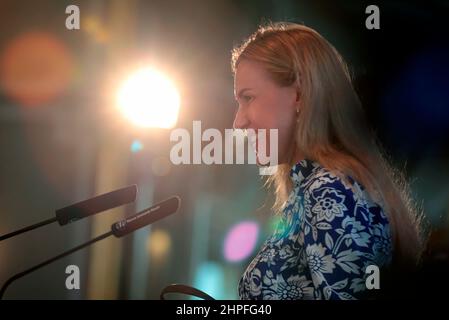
95	205
146	217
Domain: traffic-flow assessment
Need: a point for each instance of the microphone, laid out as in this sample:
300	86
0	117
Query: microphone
146	217
84	209
118	229
96	204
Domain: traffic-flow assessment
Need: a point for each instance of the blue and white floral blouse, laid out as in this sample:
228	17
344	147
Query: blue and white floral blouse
327	236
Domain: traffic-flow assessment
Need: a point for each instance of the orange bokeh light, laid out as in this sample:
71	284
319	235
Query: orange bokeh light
35	68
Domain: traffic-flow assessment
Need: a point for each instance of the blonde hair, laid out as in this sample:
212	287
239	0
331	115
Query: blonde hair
331	127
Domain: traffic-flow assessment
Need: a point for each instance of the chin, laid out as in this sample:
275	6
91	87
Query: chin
259	164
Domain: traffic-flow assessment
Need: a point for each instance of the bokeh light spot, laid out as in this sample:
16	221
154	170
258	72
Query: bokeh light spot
240	241
209	278
35	68
149	99
93	26
136	146
158	244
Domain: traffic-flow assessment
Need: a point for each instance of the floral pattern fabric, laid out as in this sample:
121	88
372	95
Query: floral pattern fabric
328	233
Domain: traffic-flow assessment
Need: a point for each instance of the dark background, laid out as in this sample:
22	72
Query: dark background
67	142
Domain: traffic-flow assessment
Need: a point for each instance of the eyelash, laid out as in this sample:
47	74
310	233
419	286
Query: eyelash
247	98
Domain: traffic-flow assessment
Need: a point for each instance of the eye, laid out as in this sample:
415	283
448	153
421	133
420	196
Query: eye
247	98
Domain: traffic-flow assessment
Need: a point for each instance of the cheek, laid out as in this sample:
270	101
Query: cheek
263	115
275	111
270	112
285	124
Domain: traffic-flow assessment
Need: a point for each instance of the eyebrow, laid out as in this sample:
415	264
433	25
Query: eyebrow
240	94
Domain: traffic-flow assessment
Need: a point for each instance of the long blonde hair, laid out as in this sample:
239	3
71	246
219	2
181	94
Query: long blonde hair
331	127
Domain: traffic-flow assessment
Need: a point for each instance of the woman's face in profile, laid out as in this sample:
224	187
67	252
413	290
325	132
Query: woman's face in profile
263	104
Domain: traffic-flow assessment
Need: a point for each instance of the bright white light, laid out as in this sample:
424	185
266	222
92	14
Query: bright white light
149	99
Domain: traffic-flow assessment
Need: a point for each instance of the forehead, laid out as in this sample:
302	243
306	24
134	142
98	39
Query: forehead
250	74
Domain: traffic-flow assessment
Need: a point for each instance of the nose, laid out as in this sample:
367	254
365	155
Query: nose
241	120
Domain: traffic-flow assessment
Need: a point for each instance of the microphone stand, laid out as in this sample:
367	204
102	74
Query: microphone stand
43	264
118	229
84	209
29	228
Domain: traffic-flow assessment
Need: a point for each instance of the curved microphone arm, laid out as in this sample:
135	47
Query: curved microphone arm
43	264
181	288
118	229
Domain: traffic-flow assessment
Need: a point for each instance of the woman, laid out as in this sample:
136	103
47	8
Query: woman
342	207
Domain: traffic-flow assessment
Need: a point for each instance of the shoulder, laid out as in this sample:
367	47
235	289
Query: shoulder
328	188
331	197
321	177
343	232
337	208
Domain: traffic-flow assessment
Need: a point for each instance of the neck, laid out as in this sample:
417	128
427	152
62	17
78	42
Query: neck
297	156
